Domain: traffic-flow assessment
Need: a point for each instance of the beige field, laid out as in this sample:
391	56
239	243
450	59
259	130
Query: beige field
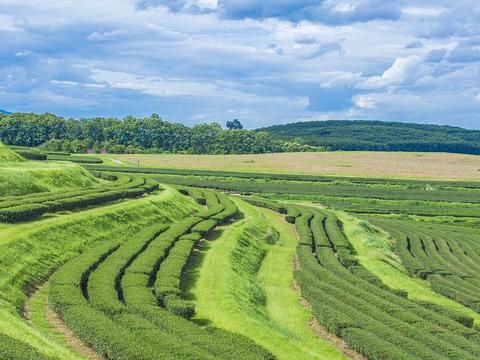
375	164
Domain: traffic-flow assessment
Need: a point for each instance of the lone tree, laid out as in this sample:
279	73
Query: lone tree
234	124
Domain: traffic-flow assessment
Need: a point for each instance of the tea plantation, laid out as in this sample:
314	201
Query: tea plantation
155	263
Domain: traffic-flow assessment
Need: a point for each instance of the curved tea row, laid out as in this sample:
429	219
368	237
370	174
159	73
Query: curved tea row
14	209
125	299
373	319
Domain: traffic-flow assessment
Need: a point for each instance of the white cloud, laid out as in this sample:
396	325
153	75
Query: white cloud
364	101
23	53
423	11
402	71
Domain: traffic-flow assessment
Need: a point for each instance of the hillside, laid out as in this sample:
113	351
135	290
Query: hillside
379	136
4	112
19	178
7	155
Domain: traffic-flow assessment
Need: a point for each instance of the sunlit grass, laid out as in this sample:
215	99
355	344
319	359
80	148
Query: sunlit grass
245	285
31	251
373	247
18	178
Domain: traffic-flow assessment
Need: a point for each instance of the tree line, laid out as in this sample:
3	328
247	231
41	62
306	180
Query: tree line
364	135
131	135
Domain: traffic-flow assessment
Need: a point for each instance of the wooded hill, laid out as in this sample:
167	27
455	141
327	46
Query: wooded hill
378	136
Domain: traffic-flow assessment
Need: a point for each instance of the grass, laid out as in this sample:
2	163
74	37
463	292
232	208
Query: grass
38	305
439	166
7	155
245	282
373	247
19	178
31	251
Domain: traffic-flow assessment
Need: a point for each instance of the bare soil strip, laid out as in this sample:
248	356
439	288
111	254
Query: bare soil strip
73	340
62	328
325	334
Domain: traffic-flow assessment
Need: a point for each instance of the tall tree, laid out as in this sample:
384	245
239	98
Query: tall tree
235	124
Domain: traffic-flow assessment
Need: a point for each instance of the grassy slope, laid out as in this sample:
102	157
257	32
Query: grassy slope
30	251
7	155
438	166
374	252
18	178
253	293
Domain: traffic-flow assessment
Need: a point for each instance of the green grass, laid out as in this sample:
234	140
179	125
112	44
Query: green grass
244	285
374	251
19	178
8	155
38	305
32	250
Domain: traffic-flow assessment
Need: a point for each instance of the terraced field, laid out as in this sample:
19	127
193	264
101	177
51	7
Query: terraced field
154	263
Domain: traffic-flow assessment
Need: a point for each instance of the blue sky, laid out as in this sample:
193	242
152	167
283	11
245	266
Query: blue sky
264	62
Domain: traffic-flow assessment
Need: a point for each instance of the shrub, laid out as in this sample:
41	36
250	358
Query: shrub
32	155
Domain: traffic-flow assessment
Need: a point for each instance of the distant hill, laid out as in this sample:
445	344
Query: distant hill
379	136
4	112
8	155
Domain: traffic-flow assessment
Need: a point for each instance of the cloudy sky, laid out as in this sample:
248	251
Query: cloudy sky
264	61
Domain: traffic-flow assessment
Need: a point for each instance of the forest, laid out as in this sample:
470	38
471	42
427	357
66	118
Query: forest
363	135
131	135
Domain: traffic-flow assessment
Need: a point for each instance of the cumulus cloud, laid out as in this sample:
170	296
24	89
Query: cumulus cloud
402	71
261	61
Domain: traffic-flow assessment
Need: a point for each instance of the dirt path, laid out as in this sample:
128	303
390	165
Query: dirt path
325	334
59	326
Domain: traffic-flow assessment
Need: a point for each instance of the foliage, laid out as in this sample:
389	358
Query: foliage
131	135
11	348
32	155
31	251
372	319
446	256
234	124
28	207
105	296
378	136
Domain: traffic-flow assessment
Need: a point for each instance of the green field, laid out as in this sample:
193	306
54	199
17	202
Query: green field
114	261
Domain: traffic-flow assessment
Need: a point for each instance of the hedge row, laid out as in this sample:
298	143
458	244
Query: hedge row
131	325
32	155
25	208
373	319
13	349
440	258
168	279
76	159
108	336
104	286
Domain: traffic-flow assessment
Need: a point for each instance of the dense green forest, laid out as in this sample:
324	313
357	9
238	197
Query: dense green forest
131	135
378	136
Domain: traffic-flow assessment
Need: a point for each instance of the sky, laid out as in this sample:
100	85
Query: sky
264	62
